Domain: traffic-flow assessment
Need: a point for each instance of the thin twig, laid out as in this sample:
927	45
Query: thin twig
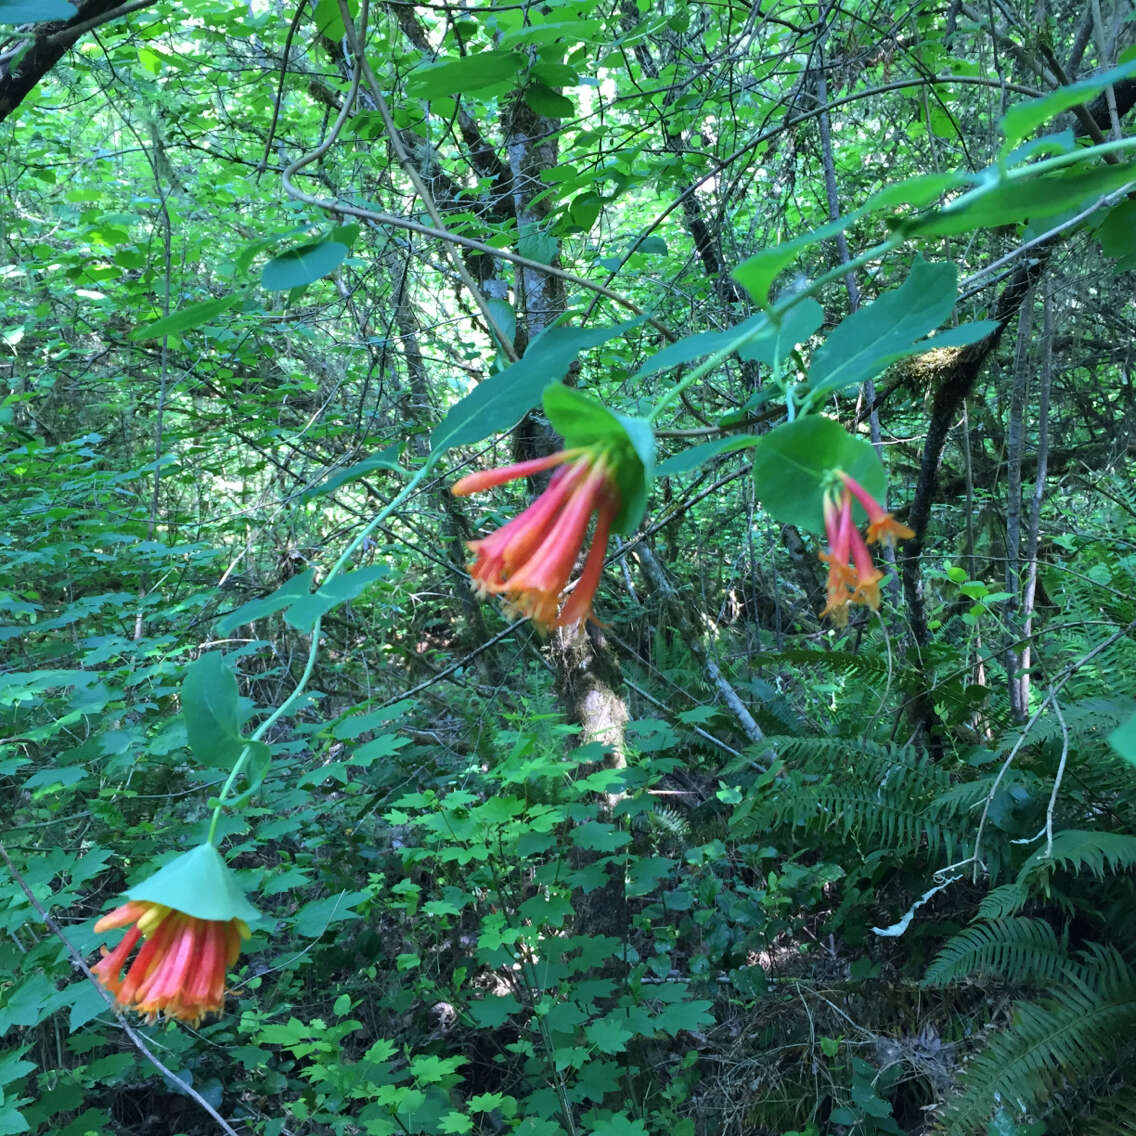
1057	778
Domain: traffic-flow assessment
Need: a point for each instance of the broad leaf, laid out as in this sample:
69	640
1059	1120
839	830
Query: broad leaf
211	709
304	612
756	275
470	73
1117	234
303	265
695	456
386	459
866	341
797	324
1019	199
284	596
192	315
1021	119
498	402
1123	740
791	466
706	343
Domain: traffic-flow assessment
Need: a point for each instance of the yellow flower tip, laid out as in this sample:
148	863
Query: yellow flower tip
888	530
868	592
836	610
149	921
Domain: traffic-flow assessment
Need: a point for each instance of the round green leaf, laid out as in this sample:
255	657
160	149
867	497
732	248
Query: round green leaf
199	883
792	464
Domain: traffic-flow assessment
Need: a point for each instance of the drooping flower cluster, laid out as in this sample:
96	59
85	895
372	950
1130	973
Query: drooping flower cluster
852	577
180	969
530	559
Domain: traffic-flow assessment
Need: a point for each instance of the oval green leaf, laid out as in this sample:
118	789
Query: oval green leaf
303	265
470	73
192	315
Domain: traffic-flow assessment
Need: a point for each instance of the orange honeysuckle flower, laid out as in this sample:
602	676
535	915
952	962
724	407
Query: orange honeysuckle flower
868	576
179	970
841	577
882	526
530	559
852	577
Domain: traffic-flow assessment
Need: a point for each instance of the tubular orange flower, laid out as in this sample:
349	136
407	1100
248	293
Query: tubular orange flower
841	578
530	559
180	969
868	576
882	526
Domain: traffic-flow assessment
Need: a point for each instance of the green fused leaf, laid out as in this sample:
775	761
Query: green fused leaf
303	265
470	73
791	466
199	883
583	422
866	341
498	402
1021	119
192	315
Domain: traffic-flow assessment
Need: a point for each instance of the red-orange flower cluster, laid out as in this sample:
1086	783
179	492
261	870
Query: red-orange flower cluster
530	559
180	970
852	577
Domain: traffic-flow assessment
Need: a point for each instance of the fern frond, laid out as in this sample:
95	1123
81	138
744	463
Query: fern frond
1018	949
1077	848
1103	967
1048	1045
669	821
1006	900
1086	720
879	794
1114	1115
